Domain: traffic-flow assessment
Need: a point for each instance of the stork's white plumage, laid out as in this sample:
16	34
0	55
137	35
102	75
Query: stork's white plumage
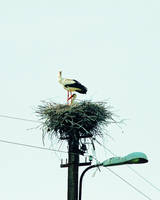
71	85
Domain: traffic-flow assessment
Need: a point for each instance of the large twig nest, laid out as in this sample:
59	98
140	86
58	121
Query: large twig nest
84	118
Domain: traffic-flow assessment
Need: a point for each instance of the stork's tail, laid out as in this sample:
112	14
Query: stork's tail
83	89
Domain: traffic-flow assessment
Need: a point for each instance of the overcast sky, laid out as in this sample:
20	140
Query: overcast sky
112	47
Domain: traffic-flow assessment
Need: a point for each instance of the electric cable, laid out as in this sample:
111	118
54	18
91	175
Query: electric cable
18	118
36	147
26	145
139	191
54	150
137	173
31	146
147	181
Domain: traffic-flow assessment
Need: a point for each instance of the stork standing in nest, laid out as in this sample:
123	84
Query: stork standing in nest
72	97
71	85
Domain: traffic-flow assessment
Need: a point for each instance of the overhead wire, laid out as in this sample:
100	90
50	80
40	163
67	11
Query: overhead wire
31	146
128	183
54	150
42	148
18	118
37	147
142	177
135	171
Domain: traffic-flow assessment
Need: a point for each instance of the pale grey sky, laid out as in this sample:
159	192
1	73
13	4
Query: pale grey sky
112	47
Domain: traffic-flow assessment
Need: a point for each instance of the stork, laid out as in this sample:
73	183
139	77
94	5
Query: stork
72	97
71	85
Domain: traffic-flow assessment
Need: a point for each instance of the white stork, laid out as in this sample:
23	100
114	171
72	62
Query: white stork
72	97
71	85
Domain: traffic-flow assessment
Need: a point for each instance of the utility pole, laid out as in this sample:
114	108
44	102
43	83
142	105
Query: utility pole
73	162
73	166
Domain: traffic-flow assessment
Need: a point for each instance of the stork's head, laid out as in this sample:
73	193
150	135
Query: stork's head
72	97
59	73
59	76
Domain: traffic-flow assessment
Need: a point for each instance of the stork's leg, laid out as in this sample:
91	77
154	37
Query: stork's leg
71	96
67	97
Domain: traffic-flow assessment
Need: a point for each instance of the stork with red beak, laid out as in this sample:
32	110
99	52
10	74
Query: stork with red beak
71	85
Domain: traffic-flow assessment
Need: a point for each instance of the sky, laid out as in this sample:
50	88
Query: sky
109	46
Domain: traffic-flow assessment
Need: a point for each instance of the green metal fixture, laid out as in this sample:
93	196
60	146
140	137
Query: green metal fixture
132	158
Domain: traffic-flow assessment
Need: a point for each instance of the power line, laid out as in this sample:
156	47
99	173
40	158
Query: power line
18	118
139	191
26	145
137	173
36	147
54	150
31	146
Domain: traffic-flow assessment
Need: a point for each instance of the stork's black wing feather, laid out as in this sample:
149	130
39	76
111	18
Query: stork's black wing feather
80	88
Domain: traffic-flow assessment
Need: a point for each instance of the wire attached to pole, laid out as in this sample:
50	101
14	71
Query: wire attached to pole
139	191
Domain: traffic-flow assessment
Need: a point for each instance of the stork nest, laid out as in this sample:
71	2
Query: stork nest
84	119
